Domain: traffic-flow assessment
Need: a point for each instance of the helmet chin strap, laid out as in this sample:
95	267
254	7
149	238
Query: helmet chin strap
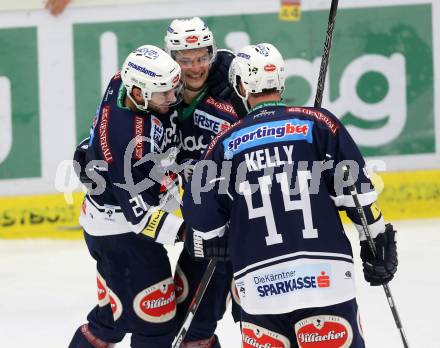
138	106
243	98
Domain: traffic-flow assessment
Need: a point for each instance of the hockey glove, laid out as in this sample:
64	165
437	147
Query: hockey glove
80	157
218	82
214	248
380	270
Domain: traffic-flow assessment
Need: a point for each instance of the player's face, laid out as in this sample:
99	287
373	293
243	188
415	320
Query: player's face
162	101
195	65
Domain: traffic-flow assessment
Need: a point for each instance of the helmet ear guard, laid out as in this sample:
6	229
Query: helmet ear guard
150	69
258	68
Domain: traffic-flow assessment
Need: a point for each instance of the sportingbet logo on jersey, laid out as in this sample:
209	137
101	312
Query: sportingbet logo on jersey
209	122
266	133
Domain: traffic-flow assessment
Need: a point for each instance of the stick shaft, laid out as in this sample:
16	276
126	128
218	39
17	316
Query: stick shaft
326	53
360	210
198	296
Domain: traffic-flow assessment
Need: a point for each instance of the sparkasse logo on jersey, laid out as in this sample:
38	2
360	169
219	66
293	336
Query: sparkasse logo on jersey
294	284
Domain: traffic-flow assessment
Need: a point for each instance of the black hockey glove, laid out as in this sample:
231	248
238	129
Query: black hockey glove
214	248
217	249
80	157
218	78
380	270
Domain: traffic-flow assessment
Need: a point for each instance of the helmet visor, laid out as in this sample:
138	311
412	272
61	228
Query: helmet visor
192	58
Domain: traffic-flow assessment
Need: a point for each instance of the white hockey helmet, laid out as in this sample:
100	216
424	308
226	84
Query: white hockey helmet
259	68
186	34
152	70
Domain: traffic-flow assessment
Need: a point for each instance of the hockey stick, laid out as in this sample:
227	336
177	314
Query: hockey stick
178	340
373	249
326	53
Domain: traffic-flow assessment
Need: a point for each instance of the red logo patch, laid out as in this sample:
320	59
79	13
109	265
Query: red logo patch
323	280
181	284
156	304
103	298
270	67
324	331
115	304
256	336
192	39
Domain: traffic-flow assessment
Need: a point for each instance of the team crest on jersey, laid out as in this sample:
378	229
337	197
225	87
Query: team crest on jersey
181	284
266	133
335	331
209	122
156	304
115	304
224	107
257	336
103	297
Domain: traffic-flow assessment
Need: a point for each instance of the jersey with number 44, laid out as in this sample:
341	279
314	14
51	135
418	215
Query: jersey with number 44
275	193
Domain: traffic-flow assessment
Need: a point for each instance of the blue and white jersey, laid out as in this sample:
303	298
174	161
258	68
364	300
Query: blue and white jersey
273	184
134	150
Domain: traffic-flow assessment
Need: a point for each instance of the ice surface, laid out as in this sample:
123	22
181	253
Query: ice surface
47	288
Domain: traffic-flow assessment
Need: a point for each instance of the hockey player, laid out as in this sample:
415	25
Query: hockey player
205	111
124	220
277	211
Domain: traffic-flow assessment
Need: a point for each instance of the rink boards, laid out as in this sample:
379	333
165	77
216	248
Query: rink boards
405	195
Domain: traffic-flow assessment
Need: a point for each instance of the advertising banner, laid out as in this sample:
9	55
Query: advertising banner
382	80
